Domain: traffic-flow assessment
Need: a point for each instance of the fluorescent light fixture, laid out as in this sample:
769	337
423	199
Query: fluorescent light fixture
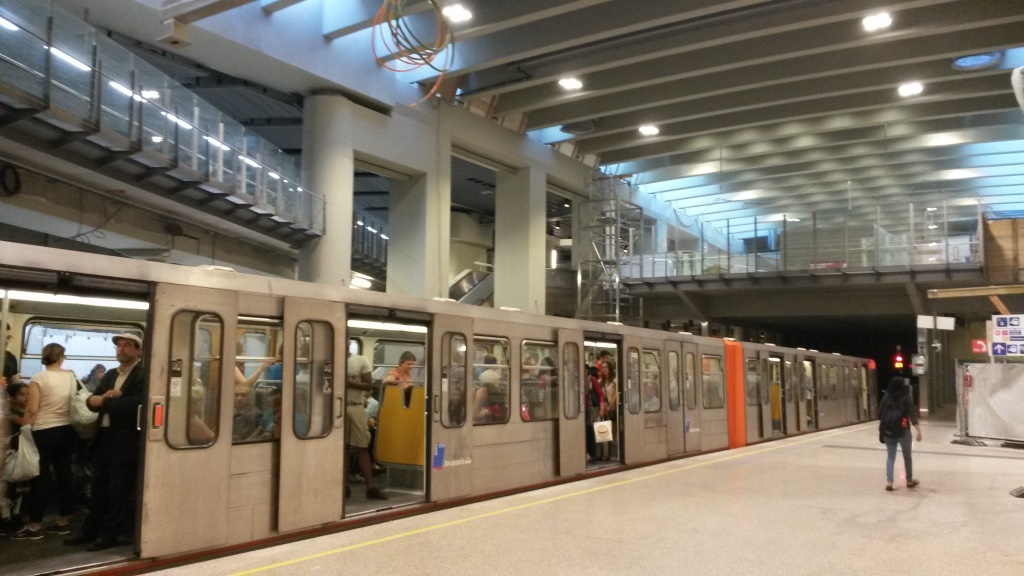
157	139
554	258
359	222
177	121
216	142
944	139
570	83
5	23
370	325
931	209
385	237
274	175
358	282
792	219
371	229
249	161
151	94
120	88
299	188
457	13
876	22
600	345
958	174
69	59
933	244
510	309
649	130
567	205
78	300
911	89
933	226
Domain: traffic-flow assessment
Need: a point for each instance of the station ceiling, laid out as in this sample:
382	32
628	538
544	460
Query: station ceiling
766	110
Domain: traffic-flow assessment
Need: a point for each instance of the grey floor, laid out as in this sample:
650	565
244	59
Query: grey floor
808	505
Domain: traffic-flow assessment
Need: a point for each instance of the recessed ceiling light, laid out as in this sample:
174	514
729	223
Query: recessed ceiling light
978	61
792	219
911	89
457	13
648	130
566	205
570	83
877	22
931	209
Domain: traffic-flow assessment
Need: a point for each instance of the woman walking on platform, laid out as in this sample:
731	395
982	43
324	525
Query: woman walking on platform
896	413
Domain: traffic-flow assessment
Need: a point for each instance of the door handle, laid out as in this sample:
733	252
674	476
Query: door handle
341	408
437	404
138	418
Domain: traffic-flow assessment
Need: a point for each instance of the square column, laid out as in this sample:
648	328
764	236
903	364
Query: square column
418	226
519	244
328	169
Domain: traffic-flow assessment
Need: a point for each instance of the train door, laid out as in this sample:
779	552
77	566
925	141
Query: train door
793	396
714	419
776	405
571	437
631	433
451	455
312	415
752	387
809	391
187	467
676	414
691	394
602	352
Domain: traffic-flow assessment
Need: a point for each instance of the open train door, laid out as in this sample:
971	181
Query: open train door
187	465
571	436
451	429
312	414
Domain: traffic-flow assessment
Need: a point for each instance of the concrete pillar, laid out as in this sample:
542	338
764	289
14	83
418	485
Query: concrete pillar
519	258
414	250
328	170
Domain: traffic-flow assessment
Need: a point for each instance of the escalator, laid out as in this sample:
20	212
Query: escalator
473	287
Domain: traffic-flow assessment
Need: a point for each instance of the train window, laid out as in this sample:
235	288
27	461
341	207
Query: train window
386	356
194	385
258	372
714	381
834	382
863	388
789	382
85	344
314	380
355	346
633	381
774	387
571	379
673	381
538	385
753	382
807	380
490	380
453	386
652	381
823	388
690	384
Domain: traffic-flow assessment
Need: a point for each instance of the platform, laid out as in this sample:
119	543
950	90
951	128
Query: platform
808	505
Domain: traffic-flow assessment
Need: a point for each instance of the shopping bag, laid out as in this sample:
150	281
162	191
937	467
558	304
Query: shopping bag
603	431
23	464
82	419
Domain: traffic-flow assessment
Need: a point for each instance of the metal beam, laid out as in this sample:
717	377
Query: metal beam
999	305
189	11
980	292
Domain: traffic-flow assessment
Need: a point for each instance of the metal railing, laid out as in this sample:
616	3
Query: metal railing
86	84
820	246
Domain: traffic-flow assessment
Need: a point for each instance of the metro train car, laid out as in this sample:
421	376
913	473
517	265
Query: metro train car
497	401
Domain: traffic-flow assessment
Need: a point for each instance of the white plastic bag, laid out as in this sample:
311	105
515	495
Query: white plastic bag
23	464
82	419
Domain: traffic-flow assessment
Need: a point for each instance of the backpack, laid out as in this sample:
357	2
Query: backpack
892	420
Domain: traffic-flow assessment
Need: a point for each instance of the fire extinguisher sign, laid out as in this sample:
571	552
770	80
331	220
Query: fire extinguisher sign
1008	335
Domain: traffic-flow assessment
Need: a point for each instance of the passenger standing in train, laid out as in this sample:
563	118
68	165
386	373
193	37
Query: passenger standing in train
95	375
18	399
48	413
10	360
596	410
118	399
401	375
359	381
490	397
896	412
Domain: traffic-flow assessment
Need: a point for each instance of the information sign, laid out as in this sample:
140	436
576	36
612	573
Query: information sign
1008	335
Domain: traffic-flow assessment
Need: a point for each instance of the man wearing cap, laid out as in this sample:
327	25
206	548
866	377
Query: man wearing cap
117	398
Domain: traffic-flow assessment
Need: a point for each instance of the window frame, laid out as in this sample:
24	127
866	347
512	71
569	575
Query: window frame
645	371
674	401
448	340
553	346
720	362
507	366
191	359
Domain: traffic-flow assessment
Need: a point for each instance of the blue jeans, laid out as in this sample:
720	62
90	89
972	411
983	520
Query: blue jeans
890	446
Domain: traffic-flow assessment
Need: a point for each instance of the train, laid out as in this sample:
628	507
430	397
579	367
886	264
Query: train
437	443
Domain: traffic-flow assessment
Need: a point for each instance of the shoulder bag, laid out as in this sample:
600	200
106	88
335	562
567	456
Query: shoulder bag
82	419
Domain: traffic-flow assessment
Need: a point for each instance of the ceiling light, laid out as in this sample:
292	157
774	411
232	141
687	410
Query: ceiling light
877	22
5	23
158	139
358	282
150	94
931	209
649	130
911	89
978	61
792	219
80	300
69	59
933	226
457	13
249	161
566	205
370	325
570	83
274	175
120	88
385	237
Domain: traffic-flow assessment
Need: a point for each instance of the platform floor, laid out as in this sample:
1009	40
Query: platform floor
807	505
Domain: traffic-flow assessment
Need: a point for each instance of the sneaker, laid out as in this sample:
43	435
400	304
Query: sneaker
376	494
912	483
61	529
888	487
27	533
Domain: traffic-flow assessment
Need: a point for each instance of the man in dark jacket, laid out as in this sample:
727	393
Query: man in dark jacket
896	413
117	398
